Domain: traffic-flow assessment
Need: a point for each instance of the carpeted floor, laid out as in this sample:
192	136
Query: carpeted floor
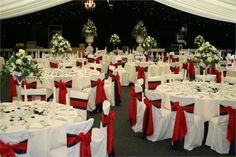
128	143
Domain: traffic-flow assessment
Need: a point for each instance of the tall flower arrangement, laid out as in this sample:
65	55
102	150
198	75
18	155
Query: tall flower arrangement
59	45
89	29
199	40
149	43
114	39
139	30
20	65
206	55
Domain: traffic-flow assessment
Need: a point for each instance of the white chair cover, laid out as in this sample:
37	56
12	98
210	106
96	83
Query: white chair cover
14	138
161	119
195	125
217	133
140	108
92	92
31	94
79	100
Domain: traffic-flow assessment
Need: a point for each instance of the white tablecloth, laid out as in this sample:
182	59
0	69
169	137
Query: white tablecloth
207	101
153	69
46	131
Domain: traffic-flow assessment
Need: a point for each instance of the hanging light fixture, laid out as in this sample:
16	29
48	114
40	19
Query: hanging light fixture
89	4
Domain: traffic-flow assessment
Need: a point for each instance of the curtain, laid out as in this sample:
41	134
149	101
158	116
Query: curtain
223	10
14	8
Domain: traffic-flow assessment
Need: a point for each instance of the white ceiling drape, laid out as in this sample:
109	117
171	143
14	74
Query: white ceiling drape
223	10
14	8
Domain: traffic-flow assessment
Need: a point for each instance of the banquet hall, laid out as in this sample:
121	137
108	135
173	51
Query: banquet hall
97	78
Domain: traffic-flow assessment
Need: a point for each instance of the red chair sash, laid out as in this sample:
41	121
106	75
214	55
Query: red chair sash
31	85
173	59
141	73
13	92
84	139
175	70
9	150
153	84
32	97
91	60
180	126
117	79
100	92
148	119
231	123
190	69
212	69
108	121
98	59
79	103
132	107
218	76
62	90
53	65
79	64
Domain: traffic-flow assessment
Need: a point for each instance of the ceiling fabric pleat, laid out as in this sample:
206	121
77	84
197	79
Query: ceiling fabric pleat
14	8
222	10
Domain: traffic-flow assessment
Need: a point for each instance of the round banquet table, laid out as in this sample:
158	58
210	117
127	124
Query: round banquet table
153	69
45	123
208	96
80	77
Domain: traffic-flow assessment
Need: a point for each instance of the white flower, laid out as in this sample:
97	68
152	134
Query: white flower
18	54
22	52
209	59
29	57
19	61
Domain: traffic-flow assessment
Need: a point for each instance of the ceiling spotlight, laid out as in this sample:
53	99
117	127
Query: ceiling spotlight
89	4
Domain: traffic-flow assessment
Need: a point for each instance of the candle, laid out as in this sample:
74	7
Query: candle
67	102
204	75
81	54
26	98
77	54
54	94
185	74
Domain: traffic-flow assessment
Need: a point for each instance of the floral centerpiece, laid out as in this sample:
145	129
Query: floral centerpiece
199	40
206	55
139	33
21	66
149	43
139	30
89	29
114	39
59	45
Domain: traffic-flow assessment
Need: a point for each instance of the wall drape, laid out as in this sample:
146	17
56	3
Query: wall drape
14	8
223	10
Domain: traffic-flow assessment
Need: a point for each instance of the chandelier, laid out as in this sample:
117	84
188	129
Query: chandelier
89	4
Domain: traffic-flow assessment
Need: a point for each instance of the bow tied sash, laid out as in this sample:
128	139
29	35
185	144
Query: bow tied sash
175	70
107	120
53	65
231	123
153	84
79	64
133	105
190	69
62	90
31	85
141	72
9	150
148	117
100	92
180	126
84	139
